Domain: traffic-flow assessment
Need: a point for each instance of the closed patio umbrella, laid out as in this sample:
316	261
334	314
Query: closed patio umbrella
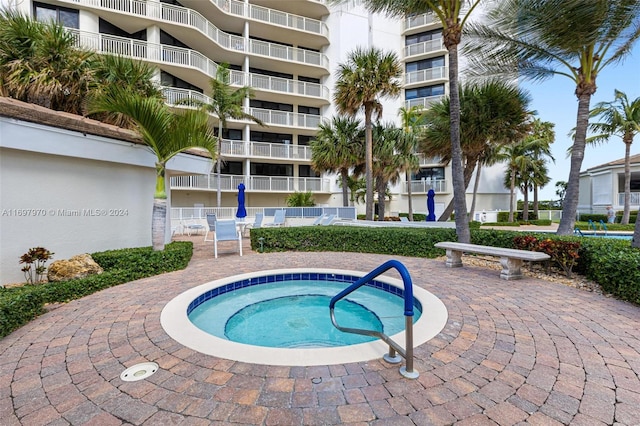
431	206
242	212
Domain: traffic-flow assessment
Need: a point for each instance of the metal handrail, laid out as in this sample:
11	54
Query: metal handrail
407	371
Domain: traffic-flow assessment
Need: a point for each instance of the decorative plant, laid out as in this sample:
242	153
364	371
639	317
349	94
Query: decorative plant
564	253
34	261
301	199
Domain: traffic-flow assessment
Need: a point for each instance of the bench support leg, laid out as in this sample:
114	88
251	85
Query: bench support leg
454	258
511	268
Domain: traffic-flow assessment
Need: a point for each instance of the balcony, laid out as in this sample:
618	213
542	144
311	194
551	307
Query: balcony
426	76
633	201
190	18
229	183
424	48
253	149
423	186
174	97
425	161
422	102
416	21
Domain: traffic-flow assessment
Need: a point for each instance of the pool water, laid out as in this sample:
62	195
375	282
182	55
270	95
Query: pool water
295	314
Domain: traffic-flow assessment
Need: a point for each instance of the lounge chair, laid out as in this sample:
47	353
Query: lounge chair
319	219
194	227
403	219
278	219
328	220
211	225
257	223
226	230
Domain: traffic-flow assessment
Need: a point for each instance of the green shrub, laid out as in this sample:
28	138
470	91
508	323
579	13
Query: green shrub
516	224
585	217
417	217
19	305
541	222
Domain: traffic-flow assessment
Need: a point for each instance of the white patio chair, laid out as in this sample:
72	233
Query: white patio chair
257	223
211	225
193	227
278	219
226	230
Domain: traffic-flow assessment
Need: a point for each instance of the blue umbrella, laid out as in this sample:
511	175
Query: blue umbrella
242	212
431	206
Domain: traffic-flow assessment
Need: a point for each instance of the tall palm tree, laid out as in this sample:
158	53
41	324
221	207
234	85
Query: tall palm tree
532	39
338	147
492	113
544	133
453	15
620	117
165	133
367	76
490	156
226	103
412	119
40	64
517	163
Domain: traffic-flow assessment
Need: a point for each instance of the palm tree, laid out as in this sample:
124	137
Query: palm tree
40	64
517	155
165	133
411	118
367	76
492	113
226	103
338	147
532	39
544	133
620	118
491	156
452	15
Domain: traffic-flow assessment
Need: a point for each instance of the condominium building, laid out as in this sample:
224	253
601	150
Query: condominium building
288	52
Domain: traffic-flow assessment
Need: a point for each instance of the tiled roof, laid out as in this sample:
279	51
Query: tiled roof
635	159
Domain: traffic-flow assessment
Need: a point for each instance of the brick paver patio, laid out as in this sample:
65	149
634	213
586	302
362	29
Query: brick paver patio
519	352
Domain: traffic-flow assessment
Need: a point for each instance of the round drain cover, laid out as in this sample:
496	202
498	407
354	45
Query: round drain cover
139	371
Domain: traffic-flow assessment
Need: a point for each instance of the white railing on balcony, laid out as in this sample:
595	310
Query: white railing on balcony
285	85
272	16
174	96
634	200
419	20
191	18
424	160
423	48
288	53
423	186
423	102
252	183
235	148
286	118
189	213
422	76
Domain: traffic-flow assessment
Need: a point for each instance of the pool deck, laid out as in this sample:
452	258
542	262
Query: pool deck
517	352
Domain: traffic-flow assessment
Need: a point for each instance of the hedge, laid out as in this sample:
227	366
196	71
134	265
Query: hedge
611	263
19	305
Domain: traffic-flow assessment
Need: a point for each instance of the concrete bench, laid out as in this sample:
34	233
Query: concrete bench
510	259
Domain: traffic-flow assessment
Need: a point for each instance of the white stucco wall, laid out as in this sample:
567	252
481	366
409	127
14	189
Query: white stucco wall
73	193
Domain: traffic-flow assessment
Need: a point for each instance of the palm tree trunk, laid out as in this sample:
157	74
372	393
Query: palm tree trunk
468	172
627	183
159	213
512	195
345	187
535	201
381	186
525	207
409	196
368	136
476	183
218	164
636	235
570	206
457	168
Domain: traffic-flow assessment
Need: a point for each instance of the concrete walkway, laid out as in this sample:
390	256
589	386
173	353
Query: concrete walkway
521	352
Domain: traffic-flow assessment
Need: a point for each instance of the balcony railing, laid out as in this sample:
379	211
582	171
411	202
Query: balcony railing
252	183
423	102
419	20
424	160
175	96
423	76
272	16
634	200
423	48
423	186
235	148
191	18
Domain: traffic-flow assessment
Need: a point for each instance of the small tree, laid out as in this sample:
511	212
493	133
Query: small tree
301	199
34	261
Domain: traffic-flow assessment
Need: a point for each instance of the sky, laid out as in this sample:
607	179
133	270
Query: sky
555	101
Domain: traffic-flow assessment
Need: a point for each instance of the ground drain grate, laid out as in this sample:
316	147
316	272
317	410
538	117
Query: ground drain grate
139	371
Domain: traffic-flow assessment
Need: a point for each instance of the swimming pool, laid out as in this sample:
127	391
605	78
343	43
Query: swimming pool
246	290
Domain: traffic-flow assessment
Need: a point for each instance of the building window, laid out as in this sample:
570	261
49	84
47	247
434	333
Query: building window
429	173
170	80
106	27
266	169
271	105
424	92
422	37
66	17
271	137
231	168
308	110
304	140
425	64
307	171
169	40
